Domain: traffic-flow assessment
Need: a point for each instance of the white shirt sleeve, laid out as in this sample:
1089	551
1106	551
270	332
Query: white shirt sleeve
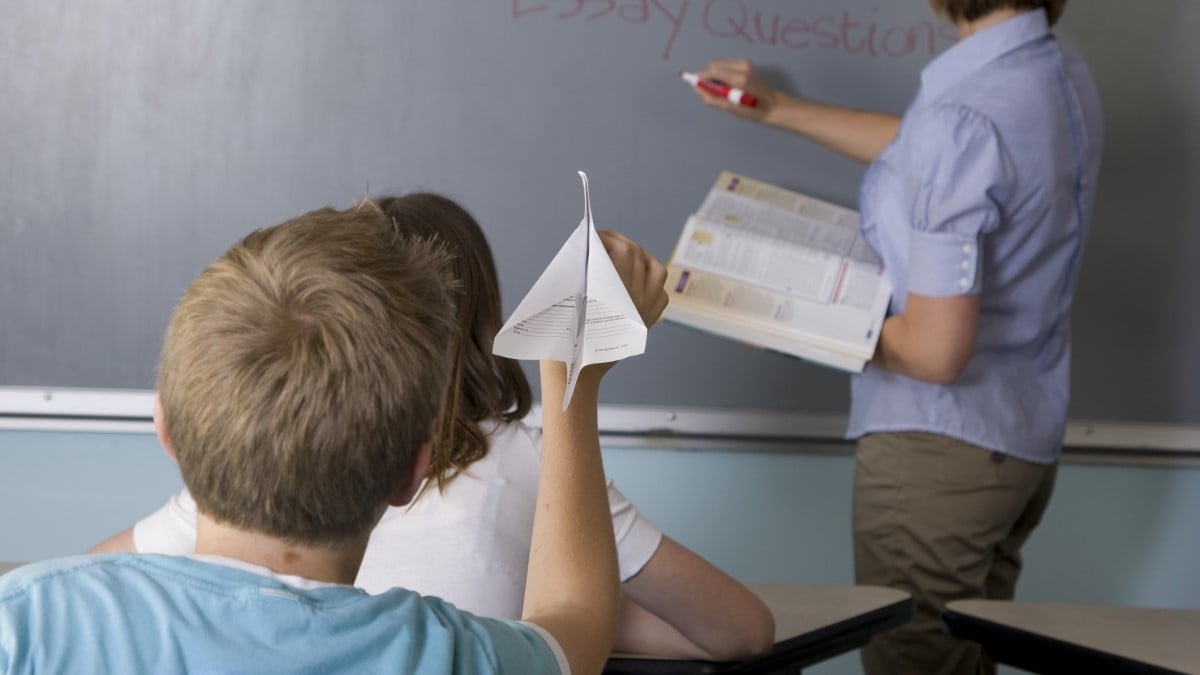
637	538
170	530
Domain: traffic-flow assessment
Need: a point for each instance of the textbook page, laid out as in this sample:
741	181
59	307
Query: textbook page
779	270
578	311
774	211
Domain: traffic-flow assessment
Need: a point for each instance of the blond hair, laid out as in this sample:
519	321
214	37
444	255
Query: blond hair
303	369
970	10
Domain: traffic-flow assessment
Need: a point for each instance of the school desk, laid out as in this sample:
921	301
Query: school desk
812	624
1093	639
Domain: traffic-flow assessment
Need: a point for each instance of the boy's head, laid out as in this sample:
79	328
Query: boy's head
302	371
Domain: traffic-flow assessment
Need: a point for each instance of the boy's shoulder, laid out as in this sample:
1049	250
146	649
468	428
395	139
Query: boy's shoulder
100	610
26	579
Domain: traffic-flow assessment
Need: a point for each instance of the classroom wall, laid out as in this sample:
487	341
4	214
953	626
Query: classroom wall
1113	534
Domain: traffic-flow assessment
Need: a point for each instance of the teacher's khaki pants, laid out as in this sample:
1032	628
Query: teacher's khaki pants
943	520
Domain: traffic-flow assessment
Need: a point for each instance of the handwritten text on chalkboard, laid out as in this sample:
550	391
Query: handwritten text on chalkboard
853	32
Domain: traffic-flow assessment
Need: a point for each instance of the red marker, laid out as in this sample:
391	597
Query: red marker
719	88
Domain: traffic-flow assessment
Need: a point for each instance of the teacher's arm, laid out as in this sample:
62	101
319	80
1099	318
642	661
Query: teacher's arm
858	134
932	340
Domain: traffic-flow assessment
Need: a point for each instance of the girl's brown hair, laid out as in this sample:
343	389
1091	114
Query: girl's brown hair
482	385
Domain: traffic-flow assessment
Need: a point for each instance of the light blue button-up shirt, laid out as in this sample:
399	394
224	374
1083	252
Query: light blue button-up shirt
988	189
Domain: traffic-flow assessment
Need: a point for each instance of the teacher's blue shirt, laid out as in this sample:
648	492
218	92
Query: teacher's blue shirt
988	189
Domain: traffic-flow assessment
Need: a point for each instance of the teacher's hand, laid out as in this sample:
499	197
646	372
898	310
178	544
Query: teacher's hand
738	73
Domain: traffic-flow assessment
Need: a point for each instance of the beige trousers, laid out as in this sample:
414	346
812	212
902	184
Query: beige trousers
943	520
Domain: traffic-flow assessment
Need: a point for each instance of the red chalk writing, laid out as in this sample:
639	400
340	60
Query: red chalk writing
858	32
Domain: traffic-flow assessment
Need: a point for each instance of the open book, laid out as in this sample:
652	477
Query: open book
779	270
578	311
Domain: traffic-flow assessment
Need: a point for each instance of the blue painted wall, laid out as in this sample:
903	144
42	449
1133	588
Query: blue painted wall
1113	534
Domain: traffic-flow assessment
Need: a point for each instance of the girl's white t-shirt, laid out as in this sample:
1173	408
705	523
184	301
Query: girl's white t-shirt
468	545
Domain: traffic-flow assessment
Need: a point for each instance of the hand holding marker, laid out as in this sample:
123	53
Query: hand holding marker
719	88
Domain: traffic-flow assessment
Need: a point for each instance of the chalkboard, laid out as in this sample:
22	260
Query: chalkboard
139	138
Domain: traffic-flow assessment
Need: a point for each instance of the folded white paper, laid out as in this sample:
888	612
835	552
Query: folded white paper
578	312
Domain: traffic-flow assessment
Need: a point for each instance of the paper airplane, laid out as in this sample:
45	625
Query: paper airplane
578	312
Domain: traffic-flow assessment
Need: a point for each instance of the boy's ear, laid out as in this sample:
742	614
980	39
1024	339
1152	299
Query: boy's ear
160	428
408	487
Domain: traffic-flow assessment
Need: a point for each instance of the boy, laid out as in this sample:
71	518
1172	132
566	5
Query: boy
299	380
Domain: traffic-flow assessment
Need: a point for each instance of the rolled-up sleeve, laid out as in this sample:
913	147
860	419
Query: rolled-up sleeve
944	263
964	173
637	538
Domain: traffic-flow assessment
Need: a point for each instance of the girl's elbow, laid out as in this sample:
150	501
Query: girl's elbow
755	636
764	634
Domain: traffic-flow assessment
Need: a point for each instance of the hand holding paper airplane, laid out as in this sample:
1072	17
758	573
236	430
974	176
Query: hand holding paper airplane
578	311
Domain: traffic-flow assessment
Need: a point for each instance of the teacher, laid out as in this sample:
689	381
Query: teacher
978	202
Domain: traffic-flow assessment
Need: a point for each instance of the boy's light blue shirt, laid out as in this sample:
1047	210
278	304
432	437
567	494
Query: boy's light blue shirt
988	189
130	613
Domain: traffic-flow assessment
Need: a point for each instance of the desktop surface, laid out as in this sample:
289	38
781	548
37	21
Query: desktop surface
1060	638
